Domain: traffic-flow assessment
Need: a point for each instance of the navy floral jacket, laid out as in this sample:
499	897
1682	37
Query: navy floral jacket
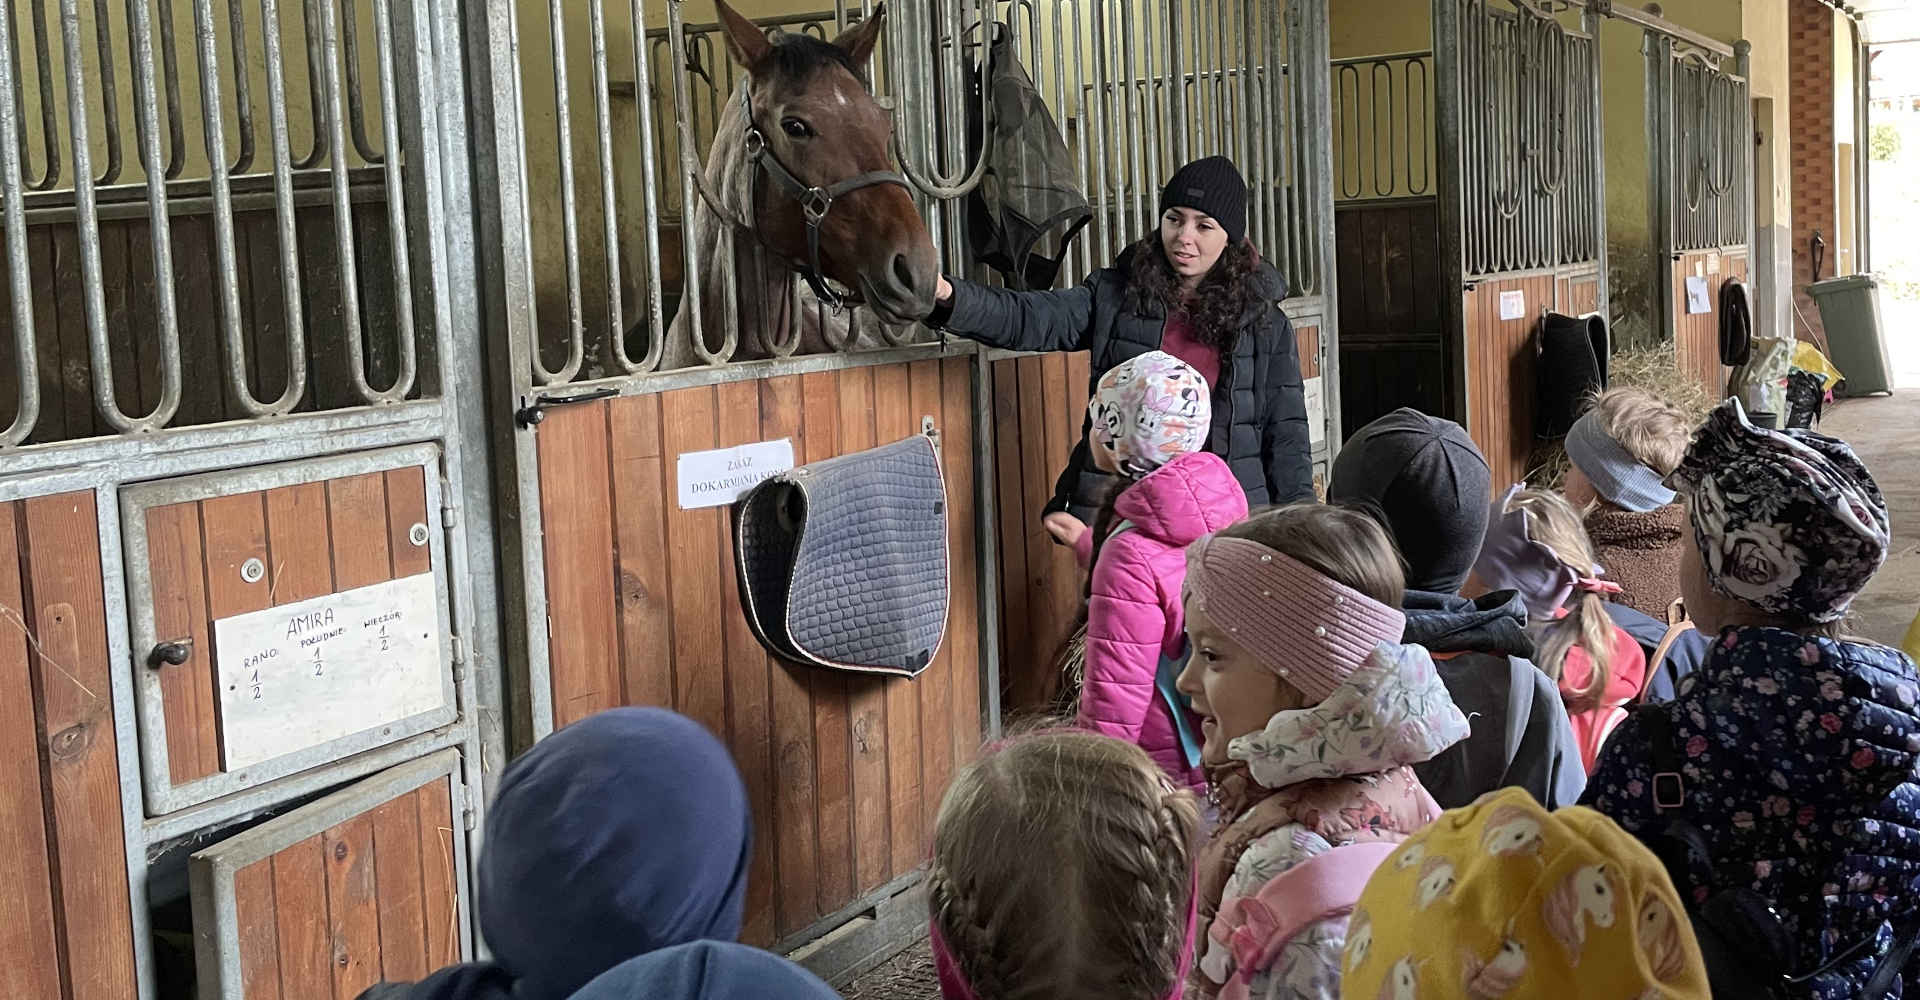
1799	766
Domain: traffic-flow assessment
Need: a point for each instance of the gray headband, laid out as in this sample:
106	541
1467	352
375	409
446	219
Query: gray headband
1618	477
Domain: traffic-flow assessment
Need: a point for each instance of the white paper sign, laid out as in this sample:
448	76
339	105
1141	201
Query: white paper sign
717	478
1713	262
1697	295
1317	410
303	674
1513	305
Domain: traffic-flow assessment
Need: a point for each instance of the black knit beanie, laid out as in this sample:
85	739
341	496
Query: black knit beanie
1212	185
1426	479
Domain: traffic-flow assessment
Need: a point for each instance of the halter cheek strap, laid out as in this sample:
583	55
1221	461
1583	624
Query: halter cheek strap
815	201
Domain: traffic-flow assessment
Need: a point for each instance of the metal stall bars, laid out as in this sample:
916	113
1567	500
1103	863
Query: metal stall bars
1522	225
1700	166
188	446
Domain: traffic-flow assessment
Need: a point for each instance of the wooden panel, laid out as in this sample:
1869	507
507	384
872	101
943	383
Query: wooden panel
1018	676
1697	335
235	530
67	615
749	709
301	566
575	513
29	953
894	419
1392	338
406	507
936	683
795	826
300	920
693	550
1501	375
353	907
257	937
640	550
439	885
866	695
963	625
832	725
357	516
1309	344
176	559
397	889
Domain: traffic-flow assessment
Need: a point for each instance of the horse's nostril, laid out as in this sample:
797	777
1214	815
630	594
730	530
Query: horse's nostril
903	272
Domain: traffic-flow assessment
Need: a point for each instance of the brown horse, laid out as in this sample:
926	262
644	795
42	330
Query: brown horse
815	127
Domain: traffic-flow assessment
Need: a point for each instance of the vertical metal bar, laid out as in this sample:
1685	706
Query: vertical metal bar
1177	91
1449	106
356	97
1315	65
649	199
242	81
342	204
1659	104
19	275
292	303
1596	166
1096	99
609	211
1745	147
1135	169
689	167
109	93
316	98
93	294
407	346
569	221
225	278
49	116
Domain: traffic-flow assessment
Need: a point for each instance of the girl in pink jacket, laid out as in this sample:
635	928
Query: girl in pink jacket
1150	417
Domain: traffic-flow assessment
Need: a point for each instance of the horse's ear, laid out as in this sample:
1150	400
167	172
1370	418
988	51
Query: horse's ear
858	41
745	41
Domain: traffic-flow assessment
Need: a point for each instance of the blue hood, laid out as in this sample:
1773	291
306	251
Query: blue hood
707	970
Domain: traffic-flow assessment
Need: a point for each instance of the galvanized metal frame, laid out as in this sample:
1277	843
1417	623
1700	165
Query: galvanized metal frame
162	795
212	872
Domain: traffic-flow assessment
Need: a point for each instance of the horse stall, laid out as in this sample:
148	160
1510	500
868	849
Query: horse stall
237	629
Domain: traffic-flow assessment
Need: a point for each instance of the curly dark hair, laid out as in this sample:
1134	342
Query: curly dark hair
1221	302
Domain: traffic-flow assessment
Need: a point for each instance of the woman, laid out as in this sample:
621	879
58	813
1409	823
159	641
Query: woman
1196	290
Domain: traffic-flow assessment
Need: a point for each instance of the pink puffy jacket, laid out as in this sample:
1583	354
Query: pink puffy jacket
1134	614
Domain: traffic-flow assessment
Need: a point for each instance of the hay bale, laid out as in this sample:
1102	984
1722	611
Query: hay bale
1653	367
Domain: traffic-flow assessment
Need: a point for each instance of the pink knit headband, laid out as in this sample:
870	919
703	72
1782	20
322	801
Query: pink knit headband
1311	629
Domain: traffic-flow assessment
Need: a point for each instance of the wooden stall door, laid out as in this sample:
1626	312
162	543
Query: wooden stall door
361	887
1696	336
1392	302
219	554
68	932
844	771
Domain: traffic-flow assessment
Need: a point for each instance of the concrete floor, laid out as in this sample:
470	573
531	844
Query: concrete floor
1885	430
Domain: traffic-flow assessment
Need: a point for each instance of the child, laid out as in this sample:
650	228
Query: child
1536	546
1621	450
1426	482
1147	423
1784	770
1312	713
1062	869
707	970
622	834
1503	899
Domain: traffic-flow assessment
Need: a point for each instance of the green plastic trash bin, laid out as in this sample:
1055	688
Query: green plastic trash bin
1850	309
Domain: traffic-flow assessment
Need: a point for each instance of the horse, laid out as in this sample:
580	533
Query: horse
802	144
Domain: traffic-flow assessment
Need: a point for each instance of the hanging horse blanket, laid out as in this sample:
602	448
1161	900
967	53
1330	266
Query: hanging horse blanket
1572	354
1028	188
843	563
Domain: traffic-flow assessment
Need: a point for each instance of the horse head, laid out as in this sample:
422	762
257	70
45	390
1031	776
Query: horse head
819	123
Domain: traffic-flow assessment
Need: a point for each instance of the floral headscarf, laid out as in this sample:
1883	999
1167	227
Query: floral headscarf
1149	410
1789	522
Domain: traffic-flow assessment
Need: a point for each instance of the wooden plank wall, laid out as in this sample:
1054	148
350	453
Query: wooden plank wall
1039	409
314	538
1500	371
1578	294
1697	336
372	899
844	772
68	932
67	411
1392	338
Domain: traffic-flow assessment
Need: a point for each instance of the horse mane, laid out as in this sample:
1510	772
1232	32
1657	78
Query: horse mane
794	58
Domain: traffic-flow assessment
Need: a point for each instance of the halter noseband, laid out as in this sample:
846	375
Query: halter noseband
815	202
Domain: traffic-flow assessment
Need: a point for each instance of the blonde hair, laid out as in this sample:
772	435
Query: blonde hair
1553	522
1062	867
1651	429
1340	543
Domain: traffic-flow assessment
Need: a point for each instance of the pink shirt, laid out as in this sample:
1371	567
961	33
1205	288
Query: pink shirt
1178	339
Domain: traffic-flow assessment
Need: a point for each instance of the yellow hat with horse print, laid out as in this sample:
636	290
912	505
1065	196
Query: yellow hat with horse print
1502	899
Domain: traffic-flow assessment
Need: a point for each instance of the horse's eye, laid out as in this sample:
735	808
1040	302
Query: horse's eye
795	128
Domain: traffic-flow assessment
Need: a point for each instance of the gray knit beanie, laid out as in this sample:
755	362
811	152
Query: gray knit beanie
1426	480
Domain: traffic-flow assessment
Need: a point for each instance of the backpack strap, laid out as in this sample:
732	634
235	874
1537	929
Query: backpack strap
1255	928
1893	963
1659	656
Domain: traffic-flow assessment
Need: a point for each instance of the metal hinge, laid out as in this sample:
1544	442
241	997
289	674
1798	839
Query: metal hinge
467	818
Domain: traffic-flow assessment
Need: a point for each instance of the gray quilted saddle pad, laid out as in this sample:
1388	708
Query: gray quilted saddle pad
843	563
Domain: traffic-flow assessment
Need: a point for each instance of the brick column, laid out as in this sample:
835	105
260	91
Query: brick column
1810	111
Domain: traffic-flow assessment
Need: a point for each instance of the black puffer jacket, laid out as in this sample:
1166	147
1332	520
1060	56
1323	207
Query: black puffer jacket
1259	407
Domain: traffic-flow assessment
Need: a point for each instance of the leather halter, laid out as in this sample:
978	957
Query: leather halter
815	201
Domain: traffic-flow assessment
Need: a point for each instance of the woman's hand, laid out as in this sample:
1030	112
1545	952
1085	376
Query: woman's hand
943	290
1065	528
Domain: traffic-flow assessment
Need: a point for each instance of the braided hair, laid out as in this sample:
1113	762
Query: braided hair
1062	868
